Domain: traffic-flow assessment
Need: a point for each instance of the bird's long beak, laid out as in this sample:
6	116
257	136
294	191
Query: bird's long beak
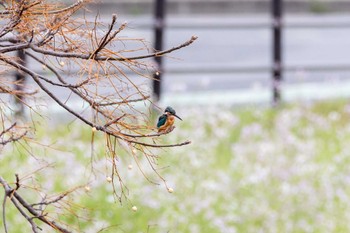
178	116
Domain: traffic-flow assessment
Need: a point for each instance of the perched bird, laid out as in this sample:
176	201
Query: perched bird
166	121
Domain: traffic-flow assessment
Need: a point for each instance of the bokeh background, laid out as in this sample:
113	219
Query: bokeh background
252	166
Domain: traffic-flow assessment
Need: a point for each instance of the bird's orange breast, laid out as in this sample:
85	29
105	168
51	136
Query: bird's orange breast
169	122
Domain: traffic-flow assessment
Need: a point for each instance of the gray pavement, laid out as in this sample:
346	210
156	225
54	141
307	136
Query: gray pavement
233	59
231	63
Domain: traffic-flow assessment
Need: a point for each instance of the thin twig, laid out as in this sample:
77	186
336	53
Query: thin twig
9	192
57	75
18	185
15	48
115	33
103	43
78	3
107	58
4	213
114	121
29	219
13	139
126	101
8	129
60	197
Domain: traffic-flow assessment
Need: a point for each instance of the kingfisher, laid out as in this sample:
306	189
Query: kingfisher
166	121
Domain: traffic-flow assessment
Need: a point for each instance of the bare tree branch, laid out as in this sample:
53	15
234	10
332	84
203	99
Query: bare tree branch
12	137
105	58
4	213
19	202
90	62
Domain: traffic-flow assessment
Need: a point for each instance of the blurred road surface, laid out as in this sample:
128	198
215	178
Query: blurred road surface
231	60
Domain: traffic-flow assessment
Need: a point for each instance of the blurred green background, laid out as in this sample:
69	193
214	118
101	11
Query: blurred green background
247	170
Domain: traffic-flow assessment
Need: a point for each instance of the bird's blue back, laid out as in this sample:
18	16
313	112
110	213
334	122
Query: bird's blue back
161	120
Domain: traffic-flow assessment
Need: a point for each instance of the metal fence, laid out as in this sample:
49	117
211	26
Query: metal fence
277	26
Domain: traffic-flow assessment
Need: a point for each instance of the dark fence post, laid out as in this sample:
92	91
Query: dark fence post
19	83
159	14
277	22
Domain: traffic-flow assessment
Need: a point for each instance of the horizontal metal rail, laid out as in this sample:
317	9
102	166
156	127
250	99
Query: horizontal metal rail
244	25
198	69
226	69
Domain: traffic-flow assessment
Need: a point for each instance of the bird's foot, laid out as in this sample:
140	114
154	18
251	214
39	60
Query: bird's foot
170	129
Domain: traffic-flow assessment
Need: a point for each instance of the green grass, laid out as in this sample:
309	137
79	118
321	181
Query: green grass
247	170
